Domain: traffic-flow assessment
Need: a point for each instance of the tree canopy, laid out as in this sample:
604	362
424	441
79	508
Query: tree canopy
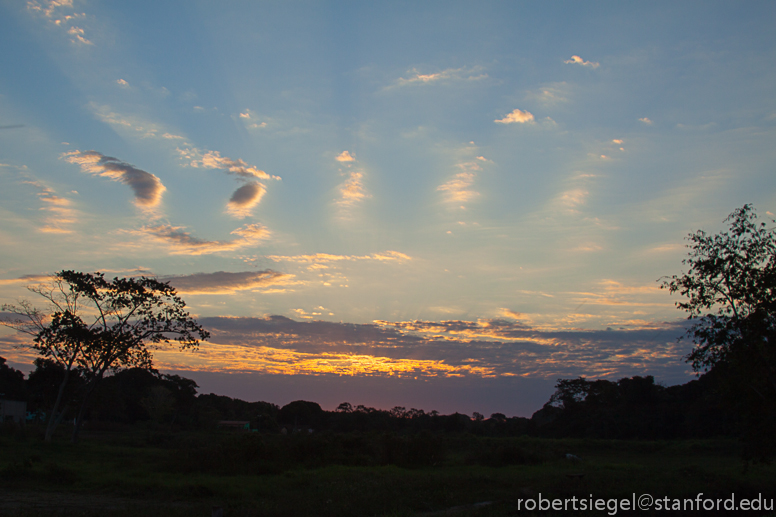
96	325
730	297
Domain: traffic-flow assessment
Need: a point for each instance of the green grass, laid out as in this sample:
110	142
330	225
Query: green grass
137	472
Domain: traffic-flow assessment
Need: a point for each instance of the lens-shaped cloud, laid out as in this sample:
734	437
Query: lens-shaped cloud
148	188
245	198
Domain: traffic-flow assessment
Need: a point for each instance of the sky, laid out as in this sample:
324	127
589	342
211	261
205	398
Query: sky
440	205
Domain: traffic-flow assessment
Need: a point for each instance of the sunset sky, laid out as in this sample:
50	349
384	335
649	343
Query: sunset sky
442	205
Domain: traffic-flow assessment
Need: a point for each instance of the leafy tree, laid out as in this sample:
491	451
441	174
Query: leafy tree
101	326
730	292
11	382
58	333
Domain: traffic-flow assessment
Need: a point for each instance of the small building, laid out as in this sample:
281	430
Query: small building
13	411
235	424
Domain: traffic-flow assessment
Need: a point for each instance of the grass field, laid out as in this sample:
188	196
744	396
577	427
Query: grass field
137	471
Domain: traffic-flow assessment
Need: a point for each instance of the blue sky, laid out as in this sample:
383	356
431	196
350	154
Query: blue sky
471	193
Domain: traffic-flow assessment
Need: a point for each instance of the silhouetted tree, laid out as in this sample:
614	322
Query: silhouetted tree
12	385
101	326
730	292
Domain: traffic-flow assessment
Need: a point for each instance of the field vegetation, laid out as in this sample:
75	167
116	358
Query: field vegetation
146	469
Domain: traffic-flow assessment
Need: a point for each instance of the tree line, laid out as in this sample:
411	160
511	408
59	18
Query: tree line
631	408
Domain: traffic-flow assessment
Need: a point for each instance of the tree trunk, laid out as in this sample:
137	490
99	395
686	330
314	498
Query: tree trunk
82	410
54	419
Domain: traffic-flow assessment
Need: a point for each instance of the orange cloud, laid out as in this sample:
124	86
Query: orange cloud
517	116
352	191
579	61
214	160
345	156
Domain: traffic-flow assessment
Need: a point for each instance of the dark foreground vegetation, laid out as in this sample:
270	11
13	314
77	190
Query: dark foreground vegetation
152	446
152	470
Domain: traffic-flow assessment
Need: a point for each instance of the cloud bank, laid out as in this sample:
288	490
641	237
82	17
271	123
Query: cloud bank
494	348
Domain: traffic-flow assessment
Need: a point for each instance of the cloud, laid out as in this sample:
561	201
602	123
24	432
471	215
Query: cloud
181	242
78	35
352	191
574	198
61	214
148	188
344	156
222	282
122	83
517	116
646	121
452	348
50	9
247	117
244	199
27	280
197	158
460	74
385	256
579	61
457	190
550	94
214	160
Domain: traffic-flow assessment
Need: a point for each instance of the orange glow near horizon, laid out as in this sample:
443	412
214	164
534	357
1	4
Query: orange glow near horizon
224	358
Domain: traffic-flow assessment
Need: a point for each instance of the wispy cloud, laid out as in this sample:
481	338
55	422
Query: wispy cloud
26	280
516	117
550	94
352	191
214	160
385	256
245	199
61	214
646	121
181	242
248	118
451	74
52	10
148	188
576	60
77	34
222	282
459	189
